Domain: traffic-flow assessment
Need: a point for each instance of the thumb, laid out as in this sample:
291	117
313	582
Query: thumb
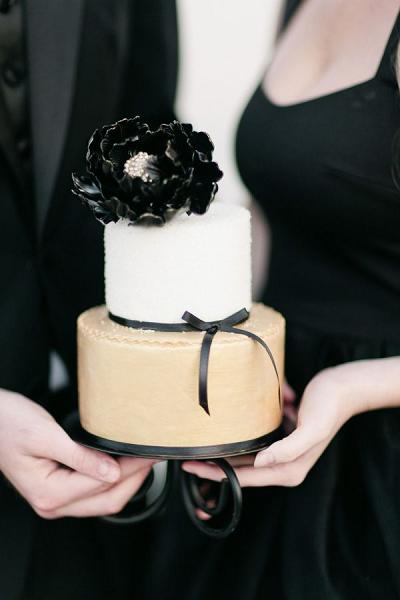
285	450
83	460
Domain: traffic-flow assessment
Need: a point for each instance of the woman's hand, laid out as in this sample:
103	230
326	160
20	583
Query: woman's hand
324	408
57	476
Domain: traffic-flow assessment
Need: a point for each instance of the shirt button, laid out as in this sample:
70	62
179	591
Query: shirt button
5	5
13	74
23	147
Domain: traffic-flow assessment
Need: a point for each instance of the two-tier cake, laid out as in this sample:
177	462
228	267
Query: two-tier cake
179	362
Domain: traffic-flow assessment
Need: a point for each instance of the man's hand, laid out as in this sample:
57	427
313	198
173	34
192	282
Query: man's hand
57	476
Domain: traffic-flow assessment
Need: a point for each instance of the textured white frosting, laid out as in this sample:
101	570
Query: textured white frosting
199	263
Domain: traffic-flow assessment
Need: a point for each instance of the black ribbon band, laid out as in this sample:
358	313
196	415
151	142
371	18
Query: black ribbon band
210	328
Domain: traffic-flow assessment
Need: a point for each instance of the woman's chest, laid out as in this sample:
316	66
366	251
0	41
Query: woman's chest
329	45
325	164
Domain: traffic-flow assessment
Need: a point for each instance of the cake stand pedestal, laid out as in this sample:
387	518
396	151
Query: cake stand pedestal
225	515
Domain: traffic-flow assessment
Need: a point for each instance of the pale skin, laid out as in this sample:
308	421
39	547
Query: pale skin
58	477
330	398
329	45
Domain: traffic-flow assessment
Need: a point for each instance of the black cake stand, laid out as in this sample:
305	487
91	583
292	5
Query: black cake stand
225	515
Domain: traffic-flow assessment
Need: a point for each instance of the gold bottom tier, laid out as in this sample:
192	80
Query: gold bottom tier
141	387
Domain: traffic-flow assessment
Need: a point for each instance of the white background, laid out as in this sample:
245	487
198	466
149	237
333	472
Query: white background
224	50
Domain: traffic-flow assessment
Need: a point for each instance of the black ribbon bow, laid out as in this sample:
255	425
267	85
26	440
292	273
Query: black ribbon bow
210	328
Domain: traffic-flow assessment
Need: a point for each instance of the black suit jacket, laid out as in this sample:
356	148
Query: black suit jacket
90	62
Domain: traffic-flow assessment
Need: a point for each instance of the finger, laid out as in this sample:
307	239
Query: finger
247	476
204	488
81	486
286	474
203	516
58	446
288	449
48	490
204	469
210	468
62	486
283	474
293	447
130	465
241	460
284	451
109	502
289	395
234	461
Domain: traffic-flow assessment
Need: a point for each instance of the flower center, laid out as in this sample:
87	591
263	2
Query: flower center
137	166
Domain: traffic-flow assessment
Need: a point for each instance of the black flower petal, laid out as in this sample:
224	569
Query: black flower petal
207	171
202	143
84	186
201	196
122	130
145	175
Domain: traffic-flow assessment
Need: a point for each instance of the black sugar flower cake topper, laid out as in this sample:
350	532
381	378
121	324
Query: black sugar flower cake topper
145	175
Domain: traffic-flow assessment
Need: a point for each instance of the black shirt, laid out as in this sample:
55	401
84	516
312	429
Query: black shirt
13	81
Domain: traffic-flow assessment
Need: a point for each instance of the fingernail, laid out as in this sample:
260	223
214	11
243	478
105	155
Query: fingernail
264	459
108	471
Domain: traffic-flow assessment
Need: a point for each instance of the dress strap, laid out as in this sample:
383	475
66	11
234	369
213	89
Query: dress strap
387	66
287	13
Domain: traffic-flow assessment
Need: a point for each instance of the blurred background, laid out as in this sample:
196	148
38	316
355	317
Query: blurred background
224	50
225	47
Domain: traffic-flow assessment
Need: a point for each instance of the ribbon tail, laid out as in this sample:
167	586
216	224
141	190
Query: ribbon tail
257	338
203	372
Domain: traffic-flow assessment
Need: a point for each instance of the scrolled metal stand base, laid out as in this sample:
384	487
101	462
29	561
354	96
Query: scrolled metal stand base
224	516
131	513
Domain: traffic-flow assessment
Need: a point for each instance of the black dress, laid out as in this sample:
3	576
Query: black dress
322	171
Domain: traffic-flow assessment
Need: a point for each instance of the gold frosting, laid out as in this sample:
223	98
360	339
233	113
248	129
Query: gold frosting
141	386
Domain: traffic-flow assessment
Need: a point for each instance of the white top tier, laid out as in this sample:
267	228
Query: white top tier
199	263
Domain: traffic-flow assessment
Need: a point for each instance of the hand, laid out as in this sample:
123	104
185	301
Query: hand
324	408
57	476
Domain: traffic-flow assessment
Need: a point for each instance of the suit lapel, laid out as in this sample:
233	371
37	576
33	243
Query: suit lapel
73	91
8	148
97	94
7	141
53	38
